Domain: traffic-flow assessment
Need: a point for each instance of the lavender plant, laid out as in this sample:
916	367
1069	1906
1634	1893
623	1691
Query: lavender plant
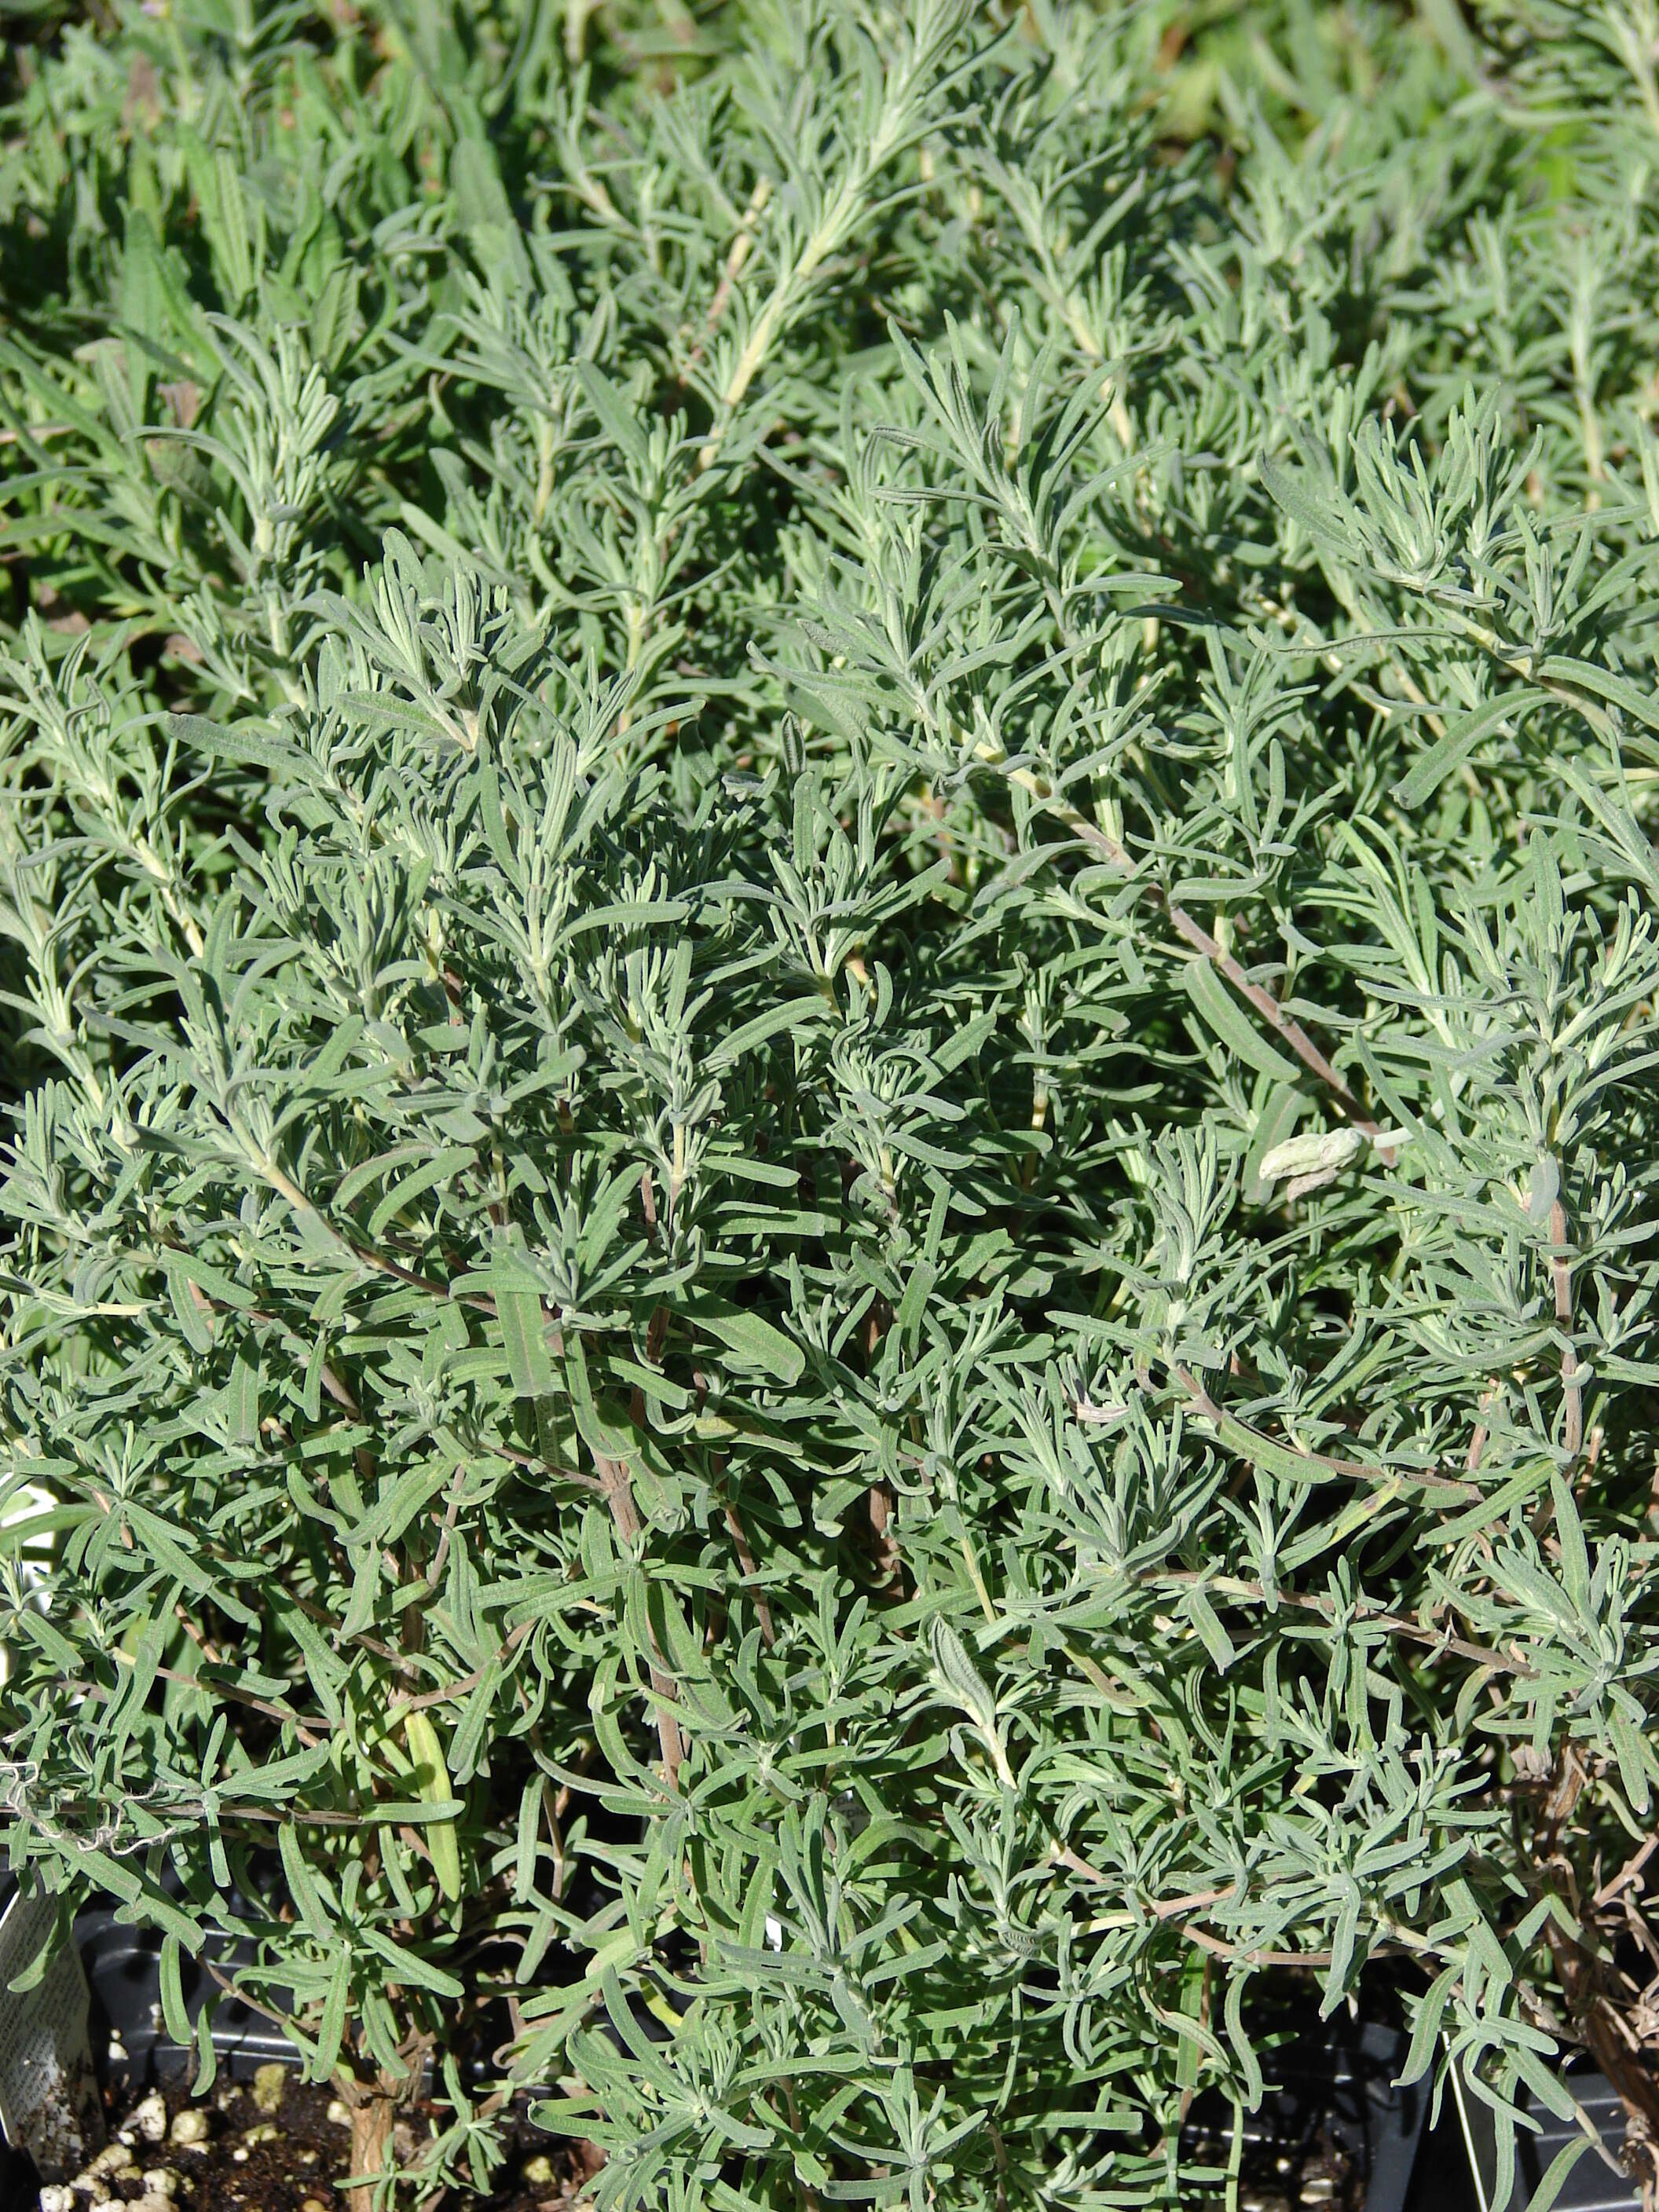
829	943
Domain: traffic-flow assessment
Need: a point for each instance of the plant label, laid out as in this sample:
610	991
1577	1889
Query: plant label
49	2104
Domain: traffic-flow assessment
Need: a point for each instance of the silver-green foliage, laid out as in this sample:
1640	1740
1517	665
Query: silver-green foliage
830	936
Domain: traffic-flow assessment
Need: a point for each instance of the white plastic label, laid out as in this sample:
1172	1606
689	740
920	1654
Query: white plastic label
49	2102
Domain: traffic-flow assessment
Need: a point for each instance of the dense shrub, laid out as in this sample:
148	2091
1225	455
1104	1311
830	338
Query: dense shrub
829	935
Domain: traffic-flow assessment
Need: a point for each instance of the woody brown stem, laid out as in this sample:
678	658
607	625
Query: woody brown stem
730	272
1598	2021
371	2141
625	1514
1596	2016
1204	2005
1274	1015
618	1486
886	1544
1561	1278
746	1561
1248	1442
1289	1030
1482	1433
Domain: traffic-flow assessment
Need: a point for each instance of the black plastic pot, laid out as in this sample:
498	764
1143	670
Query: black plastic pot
129	2042
1337	2084
20	2185
1340	2083
1592	2186
130	2039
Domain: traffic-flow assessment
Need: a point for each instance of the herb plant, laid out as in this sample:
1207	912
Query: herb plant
828	962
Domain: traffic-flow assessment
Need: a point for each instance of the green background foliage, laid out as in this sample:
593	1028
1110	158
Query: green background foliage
827	948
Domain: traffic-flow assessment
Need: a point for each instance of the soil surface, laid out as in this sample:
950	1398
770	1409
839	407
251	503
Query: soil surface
281	2145
278	2145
